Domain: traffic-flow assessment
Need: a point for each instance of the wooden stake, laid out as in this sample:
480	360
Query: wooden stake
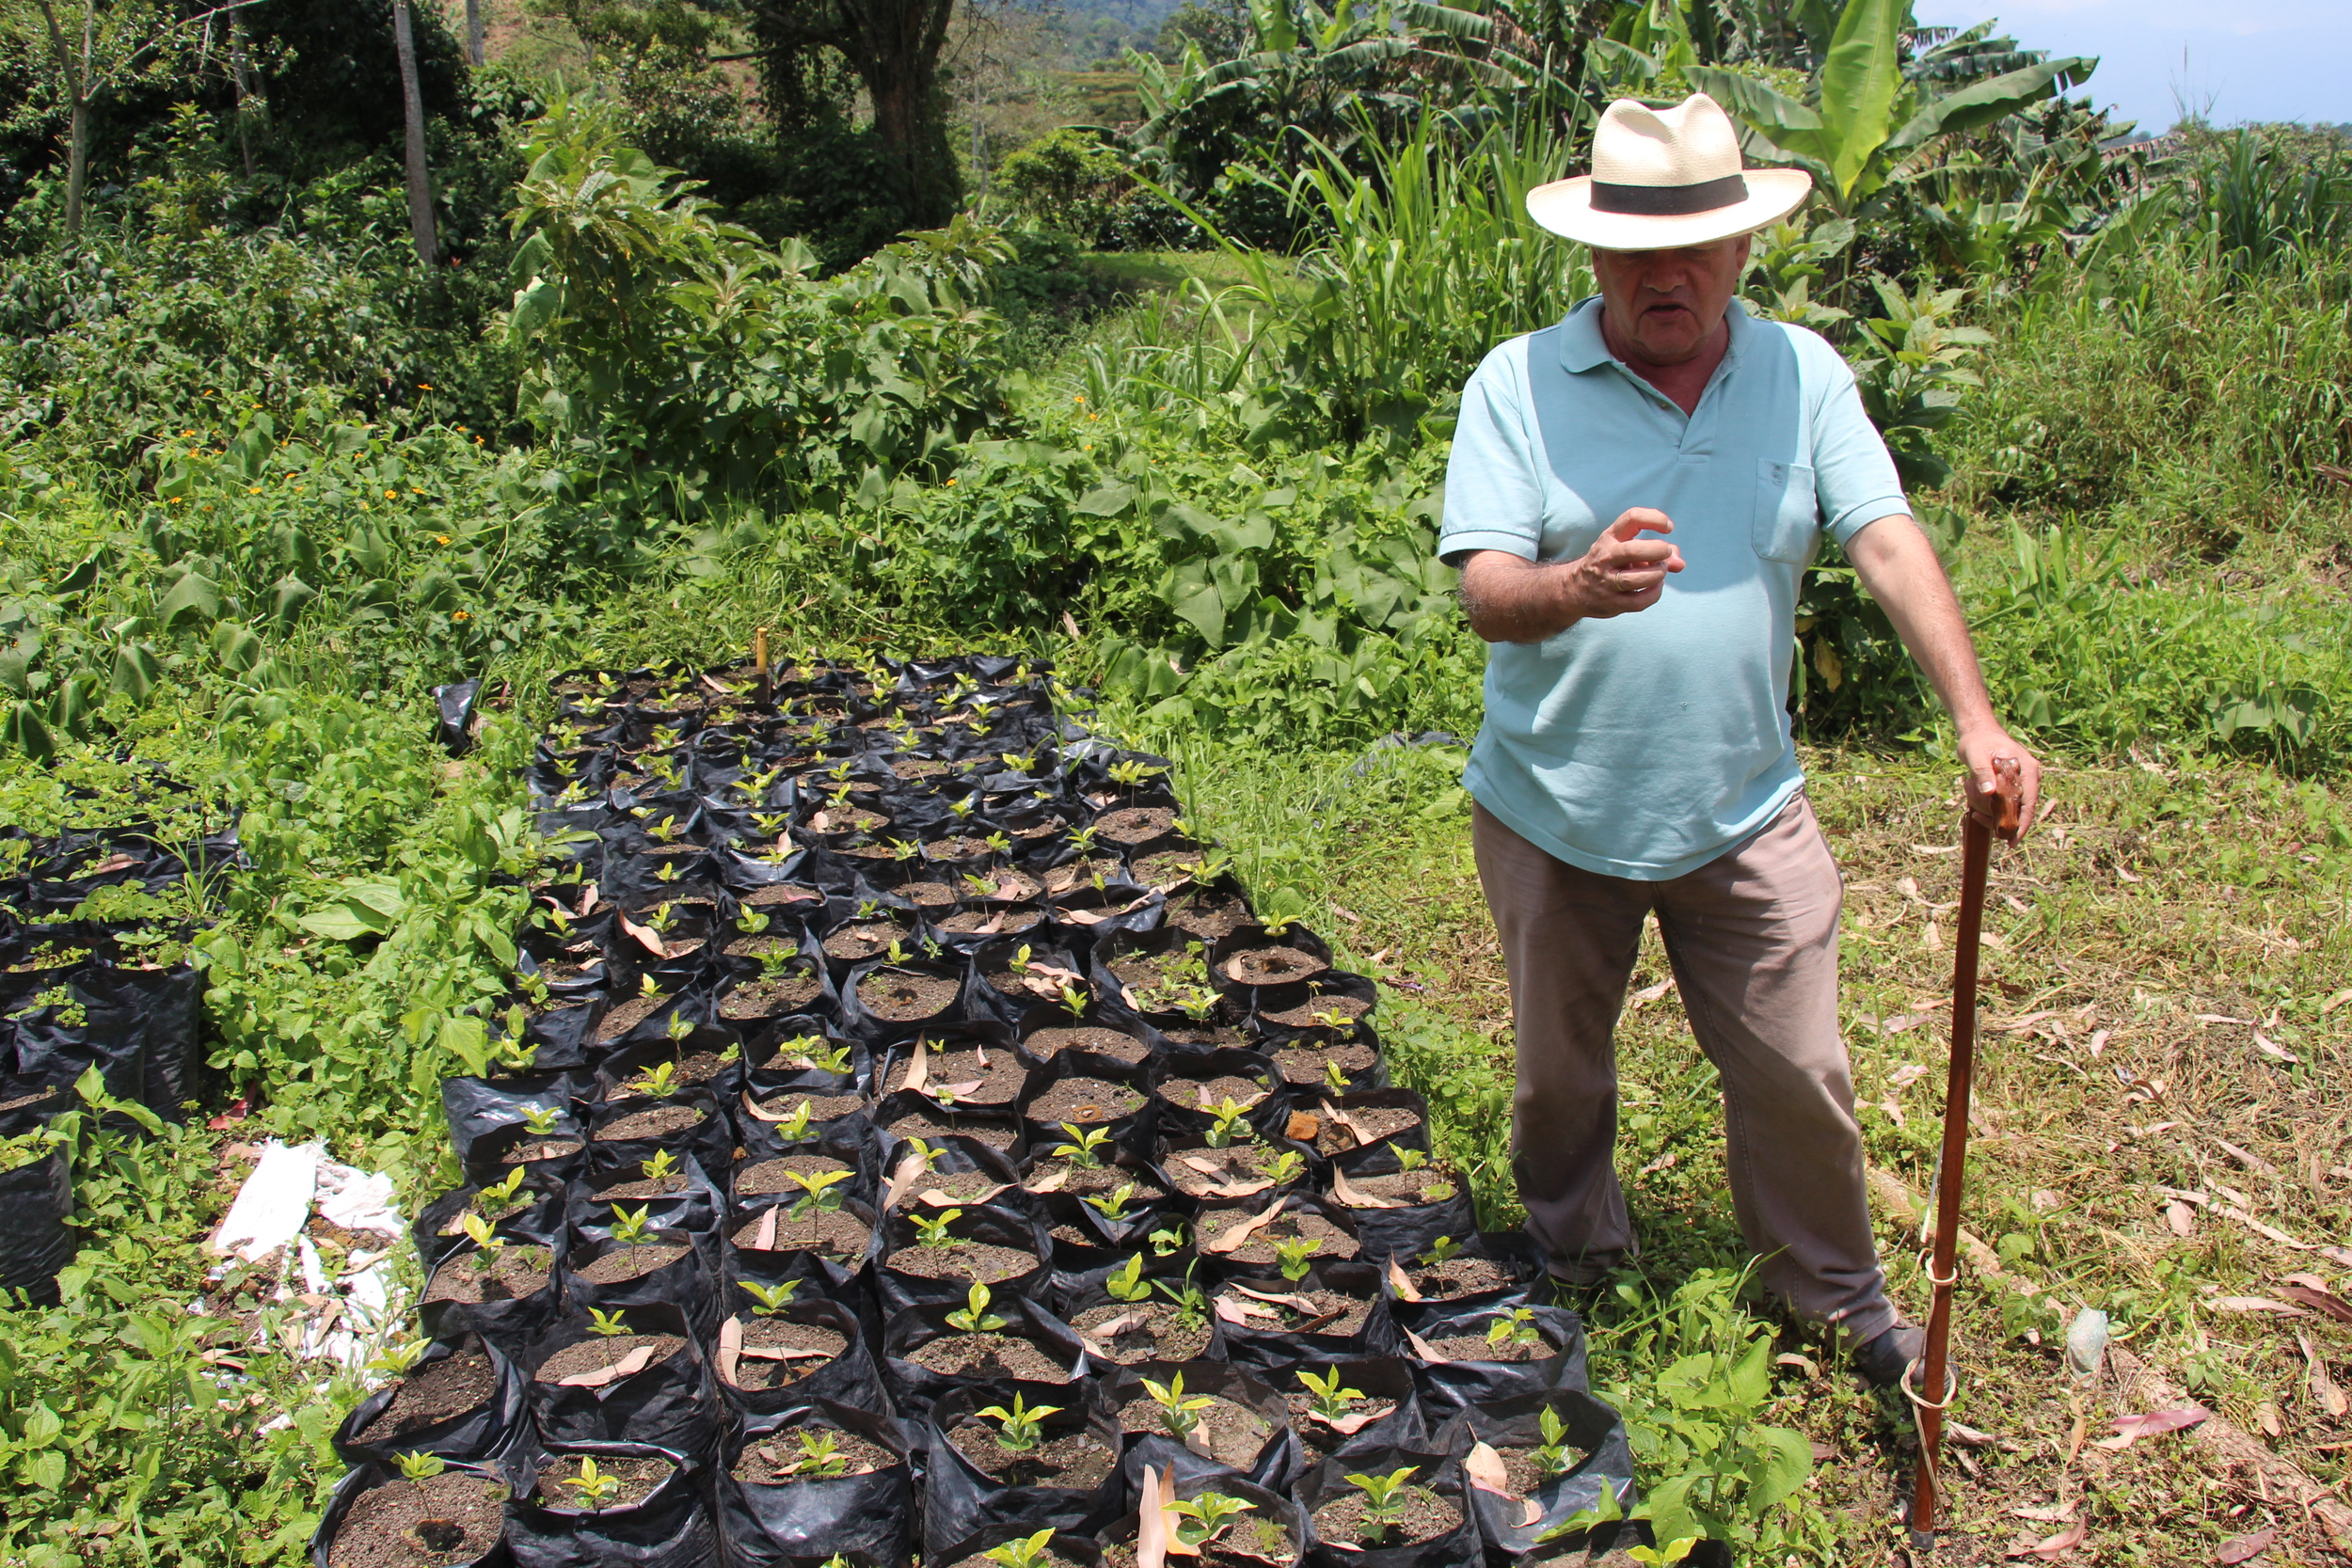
1934	1390
759	666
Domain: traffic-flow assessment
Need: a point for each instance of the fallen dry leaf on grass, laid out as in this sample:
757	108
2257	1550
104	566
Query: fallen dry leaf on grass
2256	1303
2245	1548
2306	1290
2048	1513
2323	1390
2055	1546
2129	1429
2181	1218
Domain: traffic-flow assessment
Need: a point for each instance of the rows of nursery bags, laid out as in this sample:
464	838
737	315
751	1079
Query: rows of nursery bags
118	996
905	1142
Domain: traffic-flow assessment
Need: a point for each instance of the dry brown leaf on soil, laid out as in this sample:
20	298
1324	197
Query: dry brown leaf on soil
918	1064
1302	1128
2129	1429
2267	1419
1484	1466
2049	1513
1400	1283
1421	1349
1238	1237
2181	1218
1052	1183
1648	994
628	1365
2245	1548
937	1200
1340	1118
730	1350
2256	1303
1354	1198
2334	1002
2308	1290
647	939
2264	1044
2055	1546
2075	1436
910	1169
1346	1426
2323	1390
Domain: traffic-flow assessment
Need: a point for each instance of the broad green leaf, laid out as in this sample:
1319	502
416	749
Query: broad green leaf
1107	501
236	646
194	597
1982	102
1752	1374
287	598
1195	598
1277	30
1785	1460
29	733
1859	82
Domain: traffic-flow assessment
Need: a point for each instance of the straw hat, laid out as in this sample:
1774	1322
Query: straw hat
1663	177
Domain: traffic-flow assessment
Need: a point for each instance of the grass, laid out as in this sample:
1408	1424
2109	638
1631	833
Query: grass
2154	905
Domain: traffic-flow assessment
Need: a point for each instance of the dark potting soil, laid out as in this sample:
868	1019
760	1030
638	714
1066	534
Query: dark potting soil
1272	966
517	1271
918	767
1228	1432
1426	1516
927	895
834	1232
783	895
995	1082
1204	1094
991	1356
1166	866
775	1176
489	1213
1305	1064
1006	922
1252	1541
821	1107
1031	985
652	1122
1300	1311
798	1054
967	1186
1134	824
903	996
562	972
669	1186
846	819
1456	1276
454	1517
1208	916
699	1066
1319	1434
1523	1473
1429	1184
631	1263
757	998
753	1371
990	1134
1045	1560
625	1015
541	1148
1082	873
982	1262
1476	1347
1147	1331
1093	1180
761	944
1075	1460
1085	1101
1330	1240
449	1387
956	849
1317	1011
639	1479
781	1458
594	1355
866	939
1123	1048
1372	1125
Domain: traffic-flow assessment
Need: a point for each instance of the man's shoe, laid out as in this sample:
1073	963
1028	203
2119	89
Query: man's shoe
1882	1361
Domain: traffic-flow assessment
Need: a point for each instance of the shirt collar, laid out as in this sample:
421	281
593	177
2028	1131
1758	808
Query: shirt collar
1584	348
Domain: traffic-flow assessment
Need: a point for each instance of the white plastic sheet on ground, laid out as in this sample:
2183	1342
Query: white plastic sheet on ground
342	1315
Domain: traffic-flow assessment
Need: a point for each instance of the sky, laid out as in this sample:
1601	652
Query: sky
2233	61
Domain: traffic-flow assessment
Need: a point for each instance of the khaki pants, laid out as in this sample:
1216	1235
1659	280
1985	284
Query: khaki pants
1753	939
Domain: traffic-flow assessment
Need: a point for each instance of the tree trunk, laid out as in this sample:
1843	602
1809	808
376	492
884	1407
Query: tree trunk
473	33
412	107
894	46
240	71
76	163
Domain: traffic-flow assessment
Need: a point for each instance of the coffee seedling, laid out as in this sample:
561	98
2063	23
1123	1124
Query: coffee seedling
1230	1125
662	1166
539	1121
1019	1429
1113	1205
1384	1501
1517	1328
1330	1401
1551	1456
932	1229
751	922
592	1487
1295	1256
1208	1515
1410	1158
1177	1413
794	1128
487	1243
1168	1239
657	1082
974	1316
633	1227
1074	1001
1128	1284
1333	1079
769	1300
1672	1551
608	1327
497	1195
675	1031
1443	1250
1083	1150
1286	1167
816	1191
820	1456
396	1360
1192	1307
420	1467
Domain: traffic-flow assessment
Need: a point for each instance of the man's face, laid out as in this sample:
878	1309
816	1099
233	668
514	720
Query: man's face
1663	306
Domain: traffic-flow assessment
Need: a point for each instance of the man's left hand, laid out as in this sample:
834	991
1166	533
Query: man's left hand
1978	746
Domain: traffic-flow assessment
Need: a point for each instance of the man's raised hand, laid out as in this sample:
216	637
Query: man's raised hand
1624	572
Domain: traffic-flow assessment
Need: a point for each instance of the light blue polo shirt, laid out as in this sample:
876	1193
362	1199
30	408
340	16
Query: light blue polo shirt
1645	745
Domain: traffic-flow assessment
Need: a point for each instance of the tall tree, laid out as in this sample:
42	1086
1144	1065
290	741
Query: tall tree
412	112
473	34
894	46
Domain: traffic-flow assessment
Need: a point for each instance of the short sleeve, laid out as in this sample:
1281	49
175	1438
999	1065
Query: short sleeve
1854	474
1493	499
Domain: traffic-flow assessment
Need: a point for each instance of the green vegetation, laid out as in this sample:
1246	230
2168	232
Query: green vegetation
263	480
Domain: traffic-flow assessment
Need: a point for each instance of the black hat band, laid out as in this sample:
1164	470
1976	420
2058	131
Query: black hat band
1670	201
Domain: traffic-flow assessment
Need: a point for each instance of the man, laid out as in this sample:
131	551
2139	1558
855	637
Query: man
1634	497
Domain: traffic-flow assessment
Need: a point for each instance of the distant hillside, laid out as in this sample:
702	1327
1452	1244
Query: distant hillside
1102	29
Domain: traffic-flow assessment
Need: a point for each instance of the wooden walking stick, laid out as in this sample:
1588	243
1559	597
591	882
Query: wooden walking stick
764	693
1934	1393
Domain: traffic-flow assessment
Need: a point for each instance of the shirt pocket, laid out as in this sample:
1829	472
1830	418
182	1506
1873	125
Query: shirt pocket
1787	512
